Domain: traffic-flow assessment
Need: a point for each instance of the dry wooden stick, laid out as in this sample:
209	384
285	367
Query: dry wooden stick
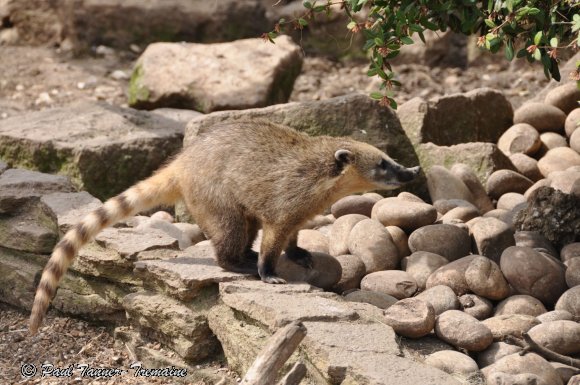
530	345
271	359
295	375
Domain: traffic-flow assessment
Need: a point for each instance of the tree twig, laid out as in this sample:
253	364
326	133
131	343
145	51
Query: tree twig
529	345
295	375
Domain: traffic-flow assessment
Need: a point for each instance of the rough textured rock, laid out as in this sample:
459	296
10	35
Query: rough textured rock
439	121
476	306
397	283
558	159
565	97
559	336
546	207
338	238
484	278
570	302
186	75
372	243
380	300
448	241
452	275
520	138
183	327
463	331
491	237
470	179
515	325
482	158
533	273
530	363
441	297
411	317
353	271
495	352
103	148
543	117
520	304
421	264
354	115
452	362
504	181
353	204
403	213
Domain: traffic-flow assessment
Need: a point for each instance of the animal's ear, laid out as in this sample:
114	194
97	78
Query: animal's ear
343	156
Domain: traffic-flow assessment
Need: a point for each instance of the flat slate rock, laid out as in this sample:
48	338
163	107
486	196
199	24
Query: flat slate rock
276	310
103	148
183	277
252	286
70	208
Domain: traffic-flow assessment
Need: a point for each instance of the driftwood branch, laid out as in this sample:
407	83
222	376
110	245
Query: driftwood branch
271	359
295	375
529	345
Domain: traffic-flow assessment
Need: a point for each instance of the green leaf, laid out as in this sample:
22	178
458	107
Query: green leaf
307	4
521	53
537	55
422	36
372	72
393	103
407	40
302	22
533	11
351	25
376	95
379	42
554	42
489	23
509	50
510	5
319	8
538	37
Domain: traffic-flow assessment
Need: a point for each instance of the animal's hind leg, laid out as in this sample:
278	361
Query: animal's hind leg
297	254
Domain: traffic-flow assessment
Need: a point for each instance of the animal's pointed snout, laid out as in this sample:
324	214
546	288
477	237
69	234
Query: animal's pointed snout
408	174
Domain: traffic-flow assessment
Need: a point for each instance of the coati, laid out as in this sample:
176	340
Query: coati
234	179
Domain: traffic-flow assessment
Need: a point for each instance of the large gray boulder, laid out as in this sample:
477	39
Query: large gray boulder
354	115
102	148
212	77
481	115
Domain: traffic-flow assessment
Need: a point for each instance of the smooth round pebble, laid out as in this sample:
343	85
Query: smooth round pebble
527	166
533	273
444	205
163	216
505	216
397	283
491	236
341	228
325	272
452	362
504	181
313	241
353	271
573	272
520	304
484	278
555	315
353	204
570	302
566	372
411	317
463	331
448	241
401	240
509	201
380	300
552	140
462	214
441	297
558	159
452	275
536	241
371	241
520	138
572	121
544	182
476	306
559	336
374	196
495	352
466	174
565	97
442	184
407	196
571	250
530	363
575	141
514	325
408	215
191	232
501	378
421	264
567	181
543	117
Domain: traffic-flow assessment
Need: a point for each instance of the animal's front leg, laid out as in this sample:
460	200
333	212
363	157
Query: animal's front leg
273	241
297	254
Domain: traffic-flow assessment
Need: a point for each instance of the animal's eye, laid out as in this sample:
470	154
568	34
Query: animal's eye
383	164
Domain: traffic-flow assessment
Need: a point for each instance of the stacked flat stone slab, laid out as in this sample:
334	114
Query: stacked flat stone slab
102	148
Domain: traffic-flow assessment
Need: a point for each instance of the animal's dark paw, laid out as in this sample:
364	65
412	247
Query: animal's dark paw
300	257
251	256
273	279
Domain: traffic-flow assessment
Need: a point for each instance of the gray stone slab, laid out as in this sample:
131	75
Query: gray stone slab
184	276
252	286
70	208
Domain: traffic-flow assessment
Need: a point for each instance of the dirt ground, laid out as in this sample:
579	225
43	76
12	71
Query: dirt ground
34	78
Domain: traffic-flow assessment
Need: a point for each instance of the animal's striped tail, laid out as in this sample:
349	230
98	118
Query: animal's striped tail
159	189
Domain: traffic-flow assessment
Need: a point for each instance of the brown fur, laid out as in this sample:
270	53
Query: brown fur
234	179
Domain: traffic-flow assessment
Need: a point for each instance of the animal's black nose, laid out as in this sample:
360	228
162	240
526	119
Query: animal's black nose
408	174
